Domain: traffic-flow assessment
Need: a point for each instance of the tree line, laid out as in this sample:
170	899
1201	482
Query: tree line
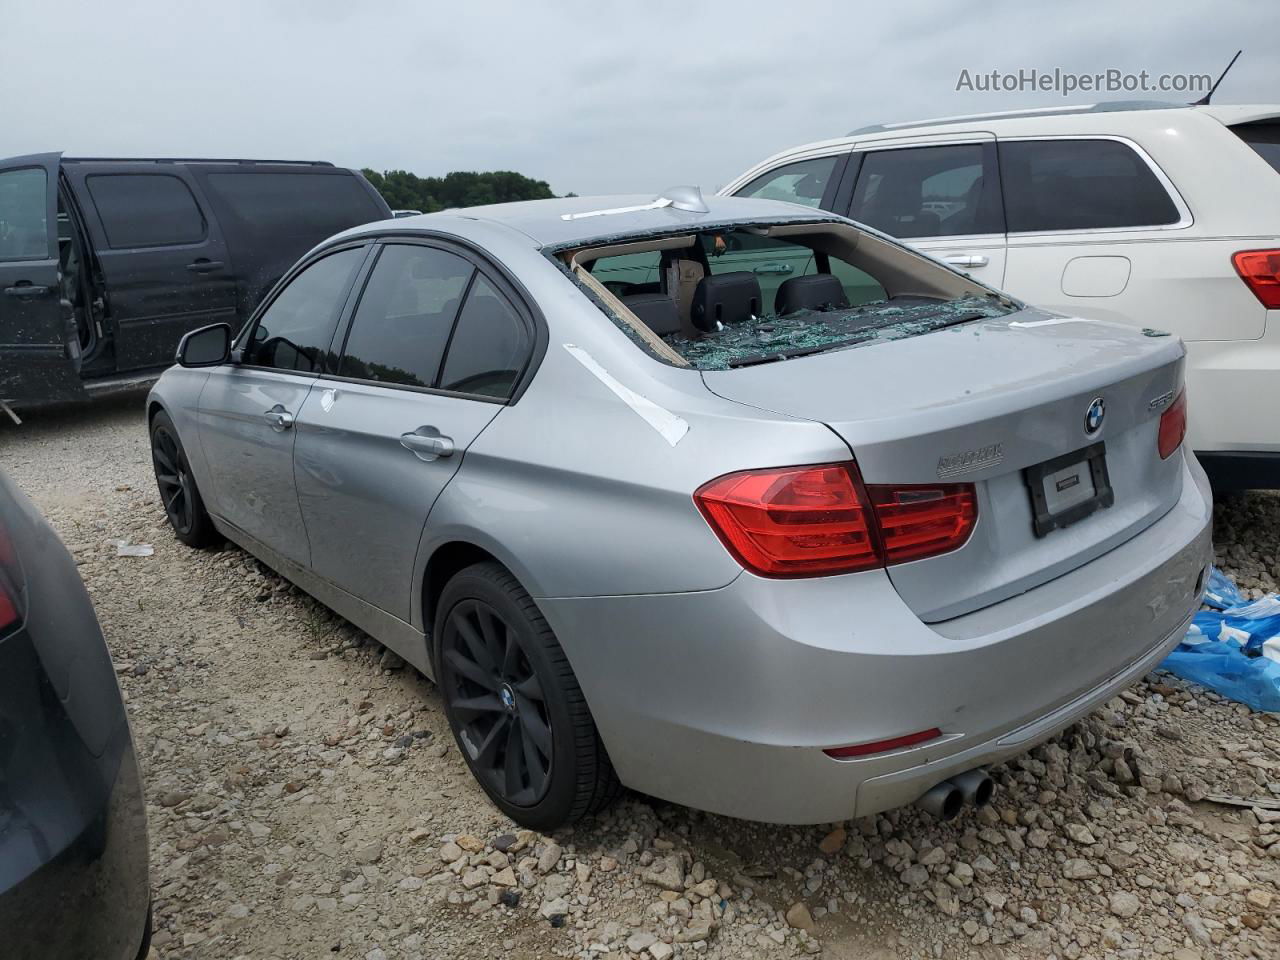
407	191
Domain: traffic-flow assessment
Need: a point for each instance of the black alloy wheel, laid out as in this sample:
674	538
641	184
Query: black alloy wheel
178	491
517	713
498	703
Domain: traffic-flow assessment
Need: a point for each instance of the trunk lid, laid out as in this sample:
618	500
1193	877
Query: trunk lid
981	403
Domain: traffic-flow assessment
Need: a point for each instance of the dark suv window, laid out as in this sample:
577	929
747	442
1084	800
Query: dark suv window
1080	185
146	209
294	331
489	346
406	312
804	182
926	192
1264	138
24	228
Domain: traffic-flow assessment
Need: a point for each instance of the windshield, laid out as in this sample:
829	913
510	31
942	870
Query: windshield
731	297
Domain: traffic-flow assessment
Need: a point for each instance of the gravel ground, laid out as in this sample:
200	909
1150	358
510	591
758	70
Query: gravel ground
306	799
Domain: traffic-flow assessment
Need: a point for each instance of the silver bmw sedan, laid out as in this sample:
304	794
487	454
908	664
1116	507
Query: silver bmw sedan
730	501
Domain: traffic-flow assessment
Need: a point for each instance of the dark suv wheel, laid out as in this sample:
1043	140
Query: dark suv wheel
178	492
514	705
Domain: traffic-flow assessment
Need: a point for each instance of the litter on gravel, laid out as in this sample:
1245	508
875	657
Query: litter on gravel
1234	647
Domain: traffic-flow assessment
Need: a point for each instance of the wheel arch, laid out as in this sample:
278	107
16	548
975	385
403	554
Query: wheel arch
447	560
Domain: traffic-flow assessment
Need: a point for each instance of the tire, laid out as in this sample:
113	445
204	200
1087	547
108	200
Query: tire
179	495
514	704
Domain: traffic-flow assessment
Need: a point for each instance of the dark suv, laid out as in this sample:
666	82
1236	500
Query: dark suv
105	264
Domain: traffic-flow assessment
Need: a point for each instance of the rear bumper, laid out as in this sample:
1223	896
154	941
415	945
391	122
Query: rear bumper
724	699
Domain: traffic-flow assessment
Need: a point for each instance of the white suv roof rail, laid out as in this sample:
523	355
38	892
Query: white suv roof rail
1114	106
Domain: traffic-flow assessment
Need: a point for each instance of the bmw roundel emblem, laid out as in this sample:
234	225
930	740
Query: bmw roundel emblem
1094	416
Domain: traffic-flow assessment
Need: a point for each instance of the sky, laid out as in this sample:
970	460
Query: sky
608	97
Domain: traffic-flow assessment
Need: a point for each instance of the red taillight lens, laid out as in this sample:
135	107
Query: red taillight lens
797	521
1173	426
8	610
1260	270
880	746
922	521
811	521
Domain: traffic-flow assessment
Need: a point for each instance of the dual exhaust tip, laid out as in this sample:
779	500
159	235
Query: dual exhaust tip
948	798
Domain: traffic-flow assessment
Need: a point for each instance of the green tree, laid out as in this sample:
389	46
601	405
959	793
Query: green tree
407	191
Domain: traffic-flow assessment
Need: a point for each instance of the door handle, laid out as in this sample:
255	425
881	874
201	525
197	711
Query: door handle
972	260
778	268
427	443
279	418
205	266
26	291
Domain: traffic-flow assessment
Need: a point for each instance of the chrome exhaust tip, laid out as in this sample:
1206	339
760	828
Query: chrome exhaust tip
944	801
976	786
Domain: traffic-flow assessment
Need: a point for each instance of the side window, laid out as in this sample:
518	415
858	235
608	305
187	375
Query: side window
402	325
146	209
1080	185
804	182
629	273
24	234
295	330
926	192
489	346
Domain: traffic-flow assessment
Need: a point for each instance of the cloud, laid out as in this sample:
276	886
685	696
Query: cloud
609	97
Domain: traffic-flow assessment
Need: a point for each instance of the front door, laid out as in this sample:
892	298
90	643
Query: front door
434	349
39	349
942	198
162	255
248	409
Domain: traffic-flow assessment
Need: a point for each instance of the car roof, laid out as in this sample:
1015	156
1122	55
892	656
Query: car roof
1067	119
543	221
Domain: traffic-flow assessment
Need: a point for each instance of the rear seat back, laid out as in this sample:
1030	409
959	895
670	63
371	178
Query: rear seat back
725	298
657	311
818	291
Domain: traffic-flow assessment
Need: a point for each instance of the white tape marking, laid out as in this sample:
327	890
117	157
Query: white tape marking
671	427
1051	322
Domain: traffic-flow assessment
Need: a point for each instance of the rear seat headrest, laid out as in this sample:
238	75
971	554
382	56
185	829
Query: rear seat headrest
657	311
818	291
726	298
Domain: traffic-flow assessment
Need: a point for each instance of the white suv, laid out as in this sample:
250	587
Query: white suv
1158	215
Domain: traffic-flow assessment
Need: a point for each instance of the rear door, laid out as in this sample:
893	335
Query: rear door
940	197
39	350
435	348
162	256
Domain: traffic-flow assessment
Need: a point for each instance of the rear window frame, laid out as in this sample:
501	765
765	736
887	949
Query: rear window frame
1185	217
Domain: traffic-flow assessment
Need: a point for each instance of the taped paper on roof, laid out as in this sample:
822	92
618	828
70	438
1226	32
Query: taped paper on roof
1234	649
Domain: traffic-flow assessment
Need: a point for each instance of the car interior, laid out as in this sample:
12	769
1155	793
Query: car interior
700	297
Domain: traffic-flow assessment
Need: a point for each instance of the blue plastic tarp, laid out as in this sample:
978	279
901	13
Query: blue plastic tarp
1233	649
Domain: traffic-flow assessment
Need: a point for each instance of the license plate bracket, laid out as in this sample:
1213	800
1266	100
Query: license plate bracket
1069	488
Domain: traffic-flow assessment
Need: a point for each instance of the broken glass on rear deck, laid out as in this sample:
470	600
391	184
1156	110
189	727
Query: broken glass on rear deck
769	338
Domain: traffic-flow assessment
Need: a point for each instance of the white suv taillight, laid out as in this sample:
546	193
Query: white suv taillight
1260	270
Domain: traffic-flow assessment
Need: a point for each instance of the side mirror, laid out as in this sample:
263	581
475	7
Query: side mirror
206	347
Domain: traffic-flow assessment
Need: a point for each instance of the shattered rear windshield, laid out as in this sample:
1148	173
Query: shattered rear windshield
770	338
735	296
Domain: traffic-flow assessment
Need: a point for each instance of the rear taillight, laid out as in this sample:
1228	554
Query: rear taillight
923	521
1173	426
817	520
8	599
1260	270
8	609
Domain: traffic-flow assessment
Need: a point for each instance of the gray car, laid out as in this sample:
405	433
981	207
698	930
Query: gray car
731	502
